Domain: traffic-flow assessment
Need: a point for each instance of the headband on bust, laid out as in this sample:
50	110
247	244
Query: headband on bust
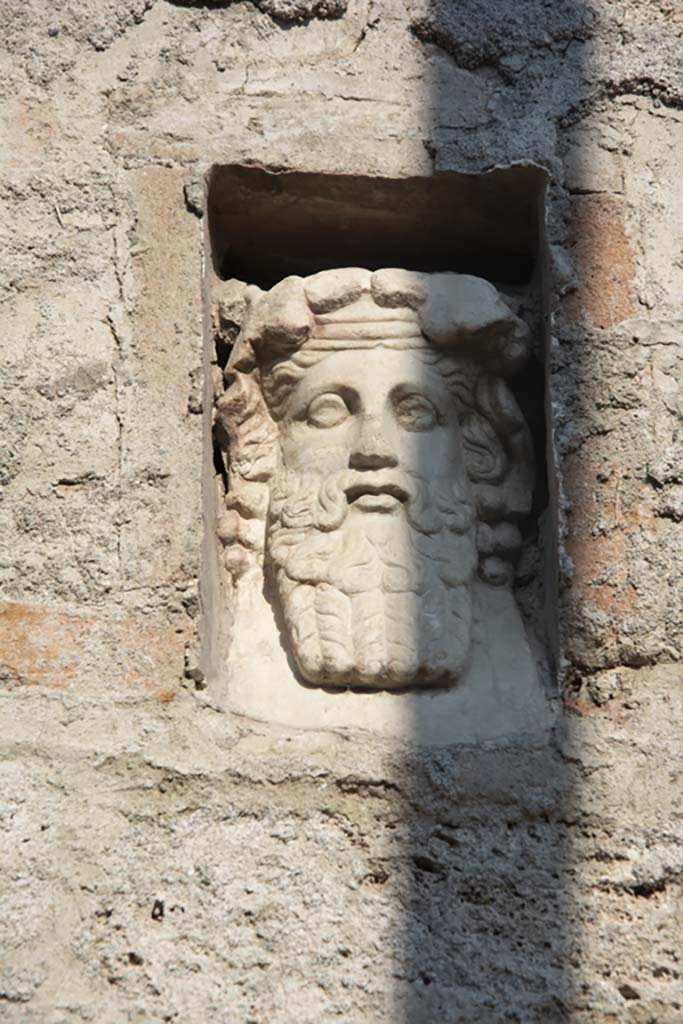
356	308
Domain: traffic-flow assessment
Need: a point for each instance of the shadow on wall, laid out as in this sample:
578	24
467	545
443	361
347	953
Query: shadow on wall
489	929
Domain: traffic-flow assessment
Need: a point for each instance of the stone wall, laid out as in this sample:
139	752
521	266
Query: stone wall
164	860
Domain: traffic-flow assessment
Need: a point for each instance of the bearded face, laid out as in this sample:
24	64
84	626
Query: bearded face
370	533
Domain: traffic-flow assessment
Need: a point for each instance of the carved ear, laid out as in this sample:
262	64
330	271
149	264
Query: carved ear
511	497
485	459
496	401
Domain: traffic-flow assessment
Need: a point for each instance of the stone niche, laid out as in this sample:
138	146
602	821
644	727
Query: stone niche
377	506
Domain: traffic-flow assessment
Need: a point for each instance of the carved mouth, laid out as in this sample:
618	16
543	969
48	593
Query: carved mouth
368	490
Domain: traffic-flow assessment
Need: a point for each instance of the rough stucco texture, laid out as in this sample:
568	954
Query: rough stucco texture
162	861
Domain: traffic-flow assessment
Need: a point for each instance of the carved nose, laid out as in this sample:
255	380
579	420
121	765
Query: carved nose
371	450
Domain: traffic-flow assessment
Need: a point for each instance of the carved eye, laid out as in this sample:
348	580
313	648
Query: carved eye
327	411
415	412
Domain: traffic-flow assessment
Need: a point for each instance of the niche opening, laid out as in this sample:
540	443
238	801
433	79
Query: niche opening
266	225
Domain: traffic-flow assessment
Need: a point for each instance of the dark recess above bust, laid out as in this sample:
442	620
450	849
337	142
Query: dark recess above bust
266	225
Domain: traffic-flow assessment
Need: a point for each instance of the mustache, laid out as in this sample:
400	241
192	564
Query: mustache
303	502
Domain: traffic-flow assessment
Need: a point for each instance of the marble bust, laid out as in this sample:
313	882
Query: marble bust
379	465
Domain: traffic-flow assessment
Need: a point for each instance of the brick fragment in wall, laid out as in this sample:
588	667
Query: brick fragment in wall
604	260
599	537
81	650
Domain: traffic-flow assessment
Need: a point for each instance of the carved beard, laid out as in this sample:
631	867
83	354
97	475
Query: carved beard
373	601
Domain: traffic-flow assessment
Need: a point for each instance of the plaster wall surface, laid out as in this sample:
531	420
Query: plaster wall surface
164	860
